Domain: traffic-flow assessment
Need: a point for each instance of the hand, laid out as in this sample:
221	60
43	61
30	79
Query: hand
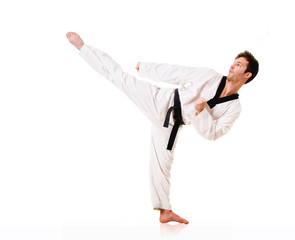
200	105
137	66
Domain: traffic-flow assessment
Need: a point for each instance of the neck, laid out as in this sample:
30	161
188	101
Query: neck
231	87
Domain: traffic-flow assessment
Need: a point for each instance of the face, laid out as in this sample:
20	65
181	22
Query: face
237	70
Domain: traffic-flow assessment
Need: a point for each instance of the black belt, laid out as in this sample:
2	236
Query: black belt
177	119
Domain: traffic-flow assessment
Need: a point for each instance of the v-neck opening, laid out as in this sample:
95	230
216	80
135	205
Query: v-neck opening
216	99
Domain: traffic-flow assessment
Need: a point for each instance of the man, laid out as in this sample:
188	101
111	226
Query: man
205	99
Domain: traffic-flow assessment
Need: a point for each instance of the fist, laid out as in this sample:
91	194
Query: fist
200	105
137	66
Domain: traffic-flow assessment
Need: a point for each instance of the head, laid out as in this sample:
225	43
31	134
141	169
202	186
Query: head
244	68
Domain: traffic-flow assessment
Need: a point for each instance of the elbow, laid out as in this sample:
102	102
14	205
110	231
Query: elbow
212	132
214	135
212	139
209	135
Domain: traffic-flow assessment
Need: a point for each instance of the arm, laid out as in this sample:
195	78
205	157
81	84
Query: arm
169	73
212	129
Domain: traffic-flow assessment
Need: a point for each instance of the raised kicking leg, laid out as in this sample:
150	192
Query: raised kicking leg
140	92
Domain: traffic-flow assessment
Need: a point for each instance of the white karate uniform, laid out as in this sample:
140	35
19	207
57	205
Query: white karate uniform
154	102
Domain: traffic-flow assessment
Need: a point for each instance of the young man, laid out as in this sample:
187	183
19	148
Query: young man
205	99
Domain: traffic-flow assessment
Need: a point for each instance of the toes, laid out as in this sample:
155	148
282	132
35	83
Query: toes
184	221
69	34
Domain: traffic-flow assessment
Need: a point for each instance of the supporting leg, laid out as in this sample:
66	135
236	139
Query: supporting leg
160	167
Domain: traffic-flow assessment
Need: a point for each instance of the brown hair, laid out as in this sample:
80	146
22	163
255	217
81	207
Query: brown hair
253	65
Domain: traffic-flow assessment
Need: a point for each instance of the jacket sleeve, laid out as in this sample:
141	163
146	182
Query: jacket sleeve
169	73
213	129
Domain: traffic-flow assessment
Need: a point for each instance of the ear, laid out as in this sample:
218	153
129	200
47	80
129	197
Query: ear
248	75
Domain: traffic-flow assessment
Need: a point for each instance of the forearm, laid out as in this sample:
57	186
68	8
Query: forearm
213	129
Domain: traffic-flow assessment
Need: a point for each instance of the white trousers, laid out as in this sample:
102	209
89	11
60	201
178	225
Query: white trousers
154	103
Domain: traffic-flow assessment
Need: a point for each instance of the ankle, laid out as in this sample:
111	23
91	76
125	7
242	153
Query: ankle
80	46
165	211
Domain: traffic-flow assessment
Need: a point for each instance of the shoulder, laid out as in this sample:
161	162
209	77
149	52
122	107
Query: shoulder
208	71
206	75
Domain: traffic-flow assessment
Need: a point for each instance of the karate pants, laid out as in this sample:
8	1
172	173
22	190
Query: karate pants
154	103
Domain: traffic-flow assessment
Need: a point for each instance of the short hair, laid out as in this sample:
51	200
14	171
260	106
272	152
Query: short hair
253	65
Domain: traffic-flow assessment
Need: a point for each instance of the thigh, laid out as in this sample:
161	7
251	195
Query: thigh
142	94
162	158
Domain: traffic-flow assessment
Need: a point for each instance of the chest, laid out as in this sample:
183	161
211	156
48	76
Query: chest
220	109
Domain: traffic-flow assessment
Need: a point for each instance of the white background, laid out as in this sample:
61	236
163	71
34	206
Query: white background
74	150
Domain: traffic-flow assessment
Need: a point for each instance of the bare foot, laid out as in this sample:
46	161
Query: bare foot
75	39
168	216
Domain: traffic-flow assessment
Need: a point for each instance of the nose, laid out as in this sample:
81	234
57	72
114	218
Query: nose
232	67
